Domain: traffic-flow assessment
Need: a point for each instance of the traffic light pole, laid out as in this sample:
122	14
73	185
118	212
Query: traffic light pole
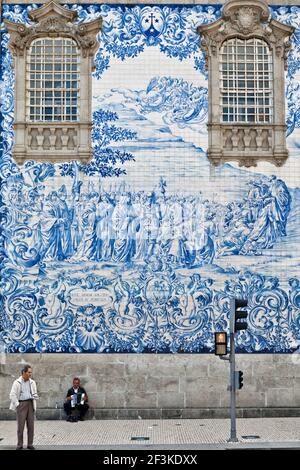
233	437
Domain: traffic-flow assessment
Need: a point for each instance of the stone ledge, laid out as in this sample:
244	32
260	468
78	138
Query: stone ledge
162	413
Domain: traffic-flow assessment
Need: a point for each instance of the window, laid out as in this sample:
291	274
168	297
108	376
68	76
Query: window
246	55
53	98
53	78
246	81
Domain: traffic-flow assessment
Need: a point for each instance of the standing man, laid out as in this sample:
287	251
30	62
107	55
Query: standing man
76	399
23	397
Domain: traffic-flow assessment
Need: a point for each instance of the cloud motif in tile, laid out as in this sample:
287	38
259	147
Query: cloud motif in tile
179	101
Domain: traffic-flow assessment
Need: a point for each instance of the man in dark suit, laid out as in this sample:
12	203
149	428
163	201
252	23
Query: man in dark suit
76	399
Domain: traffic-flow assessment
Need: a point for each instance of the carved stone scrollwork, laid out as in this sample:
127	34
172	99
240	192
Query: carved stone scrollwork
247	20
55	140
53	19
245	142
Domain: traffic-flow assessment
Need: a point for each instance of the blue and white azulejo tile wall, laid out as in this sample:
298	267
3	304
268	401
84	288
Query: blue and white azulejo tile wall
140	250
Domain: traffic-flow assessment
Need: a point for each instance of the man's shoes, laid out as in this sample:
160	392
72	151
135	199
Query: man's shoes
72	419
19	448
30	448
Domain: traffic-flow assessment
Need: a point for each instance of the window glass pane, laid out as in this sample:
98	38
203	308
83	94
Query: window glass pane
53	56
246	77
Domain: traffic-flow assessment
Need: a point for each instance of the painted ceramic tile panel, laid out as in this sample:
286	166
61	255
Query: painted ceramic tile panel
140	250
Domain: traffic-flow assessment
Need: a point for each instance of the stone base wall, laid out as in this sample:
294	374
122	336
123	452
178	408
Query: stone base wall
158	386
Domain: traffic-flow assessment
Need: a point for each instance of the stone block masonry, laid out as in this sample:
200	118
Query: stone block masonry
125	386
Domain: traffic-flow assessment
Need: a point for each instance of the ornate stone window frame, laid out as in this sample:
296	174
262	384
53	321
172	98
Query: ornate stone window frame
55	141
247	143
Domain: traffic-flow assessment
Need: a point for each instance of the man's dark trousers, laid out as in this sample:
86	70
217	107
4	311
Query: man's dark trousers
25	413
82	408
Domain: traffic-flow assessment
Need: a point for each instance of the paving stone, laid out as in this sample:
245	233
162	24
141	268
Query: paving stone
176	430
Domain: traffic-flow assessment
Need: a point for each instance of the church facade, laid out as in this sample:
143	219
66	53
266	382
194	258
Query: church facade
118	260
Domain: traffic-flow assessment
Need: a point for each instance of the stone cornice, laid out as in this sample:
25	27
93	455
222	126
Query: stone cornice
53	20
50	8
246	19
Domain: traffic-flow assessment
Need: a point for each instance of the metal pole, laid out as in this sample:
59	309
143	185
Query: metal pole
233	437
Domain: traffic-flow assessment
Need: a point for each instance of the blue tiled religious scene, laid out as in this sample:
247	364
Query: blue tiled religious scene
140	249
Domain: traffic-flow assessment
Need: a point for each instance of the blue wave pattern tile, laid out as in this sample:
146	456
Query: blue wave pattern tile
91	261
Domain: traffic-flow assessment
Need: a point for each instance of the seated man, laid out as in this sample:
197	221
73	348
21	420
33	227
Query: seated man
76	399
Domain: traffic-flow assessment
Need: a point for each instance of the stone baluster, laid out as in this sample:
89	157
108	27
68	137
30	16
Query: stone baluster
258	138
65	137
247	138
46	142
32	137
52	137
228	139
265	144
253	139
71	143
58	142
75	138
40	138
241	139
234	137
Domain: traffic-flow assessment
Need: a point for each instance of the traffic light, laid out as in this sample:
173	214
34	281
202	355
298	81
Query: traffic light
221	343
240	314
239	379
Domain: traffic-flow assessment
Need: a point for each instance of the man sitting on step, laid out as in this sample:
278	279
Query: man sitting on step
76	399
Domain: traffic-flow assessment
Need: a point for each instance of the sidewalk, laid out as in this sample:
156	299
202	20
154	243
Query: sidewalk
158	434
